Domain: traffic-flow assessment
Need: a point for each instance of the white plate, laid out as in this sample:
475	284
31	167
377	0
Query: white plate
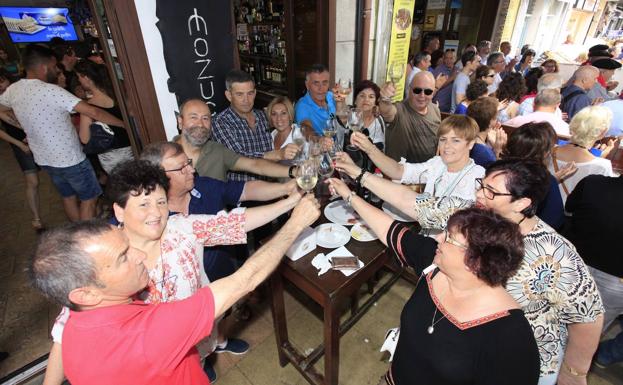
362	233
395	213
341	213
331	236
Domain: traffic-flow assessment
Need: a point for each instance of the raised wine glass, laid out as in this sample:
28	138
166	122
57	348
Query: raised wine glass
299	140
396	71
355	123
308	175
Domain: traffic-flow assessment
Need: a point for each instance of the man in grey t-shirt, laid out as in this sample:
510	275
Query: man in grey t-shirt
470	61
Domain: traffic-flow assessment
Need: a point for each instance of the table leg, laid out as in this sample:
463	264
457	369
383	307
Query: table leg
279	315
331	343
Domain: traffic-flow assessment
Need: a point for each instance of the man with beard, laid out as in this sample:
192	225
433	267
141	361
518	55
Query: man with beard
211	158
43	110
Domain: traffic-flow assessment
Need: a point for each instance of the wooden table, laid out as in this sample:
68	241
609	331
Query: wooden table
329	291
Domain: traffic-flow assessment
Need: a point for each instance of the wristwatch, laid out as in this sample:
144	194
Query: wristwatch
290	171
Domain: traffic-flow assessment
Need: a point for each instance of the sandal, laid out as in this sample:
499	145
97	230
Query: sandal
37	225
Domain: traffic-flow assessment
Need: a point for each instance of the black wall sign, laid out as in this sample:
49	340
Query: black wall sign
198	48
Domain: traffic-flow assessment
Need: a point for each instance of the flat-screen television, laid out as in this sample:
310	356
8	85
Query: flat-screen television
35	25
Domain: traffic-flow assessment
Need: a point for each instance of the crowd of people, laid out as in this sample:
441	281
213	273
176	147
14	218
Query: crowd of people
516	193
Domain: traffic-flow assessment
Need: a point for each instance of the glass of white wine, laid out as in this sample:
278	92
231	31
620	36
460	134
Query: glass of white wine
396	71
329	128
355	123
325	169
299	140
308	175
345	87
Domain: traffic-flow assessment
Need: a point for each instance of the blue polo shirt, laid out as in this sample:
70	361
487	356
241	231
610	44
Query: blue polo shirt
307	109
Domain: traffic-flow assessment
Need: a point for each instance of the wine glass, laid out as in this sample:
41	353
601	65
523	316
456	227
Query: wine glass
308	175
299	140
315	149
329	128
345	87
325	168
355	123
396	71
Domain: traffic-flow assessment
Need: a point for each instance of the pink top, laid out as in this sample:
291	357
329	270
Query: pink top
560	126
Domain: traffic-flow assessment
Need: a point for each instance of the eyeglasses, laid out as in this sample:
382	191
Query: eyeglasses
499	62
189	162
427	91
448	239
489	193
491	75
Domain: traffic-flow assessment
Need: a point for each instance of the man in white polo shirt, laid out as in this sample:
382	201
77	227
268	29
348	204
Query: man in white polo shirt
43	111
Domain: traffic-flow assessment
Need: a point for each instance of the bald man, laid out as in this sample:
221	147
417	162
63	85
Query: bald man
412	132
574	96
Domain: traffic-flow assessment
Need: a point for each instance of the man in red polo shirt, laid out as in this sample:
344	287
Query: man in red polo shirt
112	339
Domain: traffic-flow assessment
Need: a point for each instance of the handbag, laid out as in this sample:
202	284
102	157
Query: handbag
102	138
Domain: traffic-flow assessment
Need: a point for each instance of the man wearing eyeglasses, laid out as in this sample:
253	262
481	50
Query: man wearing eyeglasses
497	62
413	123
211	158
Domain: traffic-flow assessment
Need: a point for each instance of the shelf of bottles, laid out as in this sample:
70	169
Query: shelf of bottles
260	33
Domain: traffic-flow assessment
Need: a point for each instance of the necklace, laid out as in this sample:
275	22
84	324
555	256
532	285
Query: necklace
431	328
579	145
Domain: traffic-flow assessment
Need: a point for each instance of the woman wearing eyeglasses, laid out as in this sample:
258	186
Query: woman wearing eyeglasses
485	73
138	191
460	326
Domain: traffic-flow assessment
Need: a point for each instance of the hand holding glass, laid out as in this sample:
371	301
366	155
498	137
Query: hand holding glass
396	71
308	175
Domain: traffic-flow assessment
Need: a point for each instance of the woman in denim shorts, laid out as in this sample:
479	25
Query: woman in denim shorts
15	137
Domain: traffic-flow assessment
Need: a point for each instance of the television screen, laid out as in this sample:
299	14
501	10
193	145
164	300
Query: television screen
34	25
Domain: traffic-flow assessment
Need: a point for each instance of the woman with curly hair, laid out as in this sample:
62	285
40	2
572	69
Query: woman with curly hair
485	73
511	89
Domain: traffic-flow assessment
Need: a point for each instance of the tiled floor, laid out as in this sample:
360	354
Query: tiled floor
26	316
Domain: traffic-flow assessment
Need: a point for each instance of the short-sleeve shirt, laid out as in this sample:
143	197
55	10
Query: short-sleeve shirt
139	343
307	109
459	87
554	288
216	160
482	154
43	110
480	351
233	131
210	196
572	105
411	135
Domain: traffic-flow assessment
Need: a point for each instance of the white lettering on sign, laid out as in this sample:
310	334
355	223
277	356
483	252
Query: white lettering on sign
197	25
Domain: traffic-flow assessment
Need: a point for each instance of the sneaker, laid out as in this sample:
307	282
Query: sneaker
208	369
233	346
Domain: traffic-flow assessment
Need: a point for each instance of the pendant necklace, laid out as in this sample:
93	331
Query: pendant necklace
431	328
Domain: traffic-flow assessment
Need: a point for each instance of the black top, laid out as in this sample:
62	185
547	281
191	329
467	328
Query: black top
596	225
493	350
121	135
13	131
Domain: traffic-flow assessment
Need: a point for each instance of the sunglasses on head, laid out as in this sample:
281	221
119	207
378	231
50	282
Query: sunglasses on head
427	91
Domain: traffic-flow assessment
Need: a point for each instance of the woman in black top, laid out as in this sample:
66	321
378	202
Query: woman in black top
15	136
460	326
94	79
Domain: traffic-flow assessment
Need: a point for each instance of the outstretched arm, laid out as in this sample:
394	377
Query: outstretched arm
259	266
258	190
261	167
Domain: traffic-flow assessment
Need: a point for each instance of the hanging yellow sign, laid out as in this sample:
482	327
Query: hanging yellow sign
402	18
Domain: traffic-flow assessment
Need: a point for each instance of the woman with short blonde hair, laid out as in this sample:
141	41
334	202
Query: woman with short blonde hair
587	127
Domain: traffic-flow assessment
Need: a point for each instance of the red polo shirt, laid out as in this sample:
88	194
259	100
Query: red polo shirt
139	343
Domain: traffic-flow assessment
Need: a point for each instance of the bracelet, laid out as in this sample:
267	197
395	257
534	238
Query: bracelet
572	371
363	179
290	171
358	179
386	99
350	198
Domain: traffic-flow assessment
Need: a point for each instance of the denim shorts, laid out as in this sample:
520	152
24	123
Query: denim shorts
26	161
77	180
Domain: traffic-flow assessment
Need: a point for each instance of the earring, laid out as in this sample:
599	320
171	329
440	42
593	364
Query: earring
120	225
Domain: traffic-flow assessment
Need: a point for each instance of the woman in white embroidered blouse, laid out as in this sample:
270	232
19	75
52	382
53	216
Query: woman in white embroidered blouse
586	127
174	245
451	174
